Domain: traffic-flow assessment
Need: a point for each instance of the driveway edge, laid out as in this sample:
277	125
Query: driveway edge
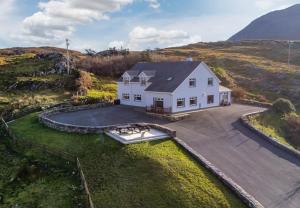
245	121
249	200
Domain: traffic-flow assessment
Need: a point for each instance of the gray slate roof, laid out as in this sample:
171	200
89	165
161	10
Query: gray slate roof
167	75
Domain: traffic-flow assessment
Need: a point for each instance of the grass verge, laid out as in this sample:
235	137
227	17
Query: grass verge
273	125
151	174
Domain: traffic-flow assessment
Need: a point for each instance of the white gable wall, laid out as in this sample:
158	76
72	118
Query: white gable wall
201	91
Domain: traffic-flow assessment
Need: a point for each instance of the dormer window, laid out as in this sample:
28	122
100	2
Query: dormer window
143	81
126	80
192	82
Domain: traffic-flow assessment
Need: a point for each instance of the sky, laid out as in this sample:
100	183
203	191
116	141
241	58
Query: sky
133	24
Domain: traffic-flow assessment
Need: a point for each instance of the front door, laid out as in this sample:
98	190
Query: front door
158	102
224	98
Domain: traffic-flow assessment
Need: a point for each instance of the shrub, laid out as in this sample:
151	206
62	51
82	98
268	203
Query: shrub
84	81
283	106
292	129
238	93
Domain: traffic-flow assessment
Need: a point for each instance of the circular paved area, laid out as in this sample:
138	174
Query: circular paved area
106	116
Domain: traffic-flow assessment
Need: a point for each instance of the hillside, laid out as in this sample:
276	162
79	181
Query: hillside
277	25
254	69
258	67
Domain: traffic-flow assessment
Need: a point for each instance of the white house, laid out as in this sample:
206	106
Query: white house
171	87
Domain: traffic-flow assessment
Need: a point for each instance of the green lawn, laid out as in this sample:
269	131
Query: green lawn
33	186
153	174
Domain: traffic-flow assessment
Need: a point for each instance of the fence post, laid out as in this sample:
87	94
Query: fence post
86	188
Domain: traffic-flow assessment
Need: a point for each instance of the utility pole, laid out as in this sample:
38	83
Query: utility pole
68	56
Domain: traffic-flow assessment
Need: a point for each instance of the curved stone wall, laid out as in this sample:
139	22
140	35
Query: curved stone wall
44	119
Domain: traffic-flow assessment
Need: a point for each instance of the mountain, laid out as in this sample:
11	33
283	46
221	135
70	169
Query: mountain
278	25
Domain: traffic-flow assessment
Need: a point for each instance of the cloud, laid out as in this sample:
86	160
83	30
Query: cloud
116	44
274	4
7	19
153	3
150	37
57	19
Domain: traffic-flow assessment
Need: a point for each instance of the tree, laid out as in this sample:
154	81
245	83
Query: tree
90	52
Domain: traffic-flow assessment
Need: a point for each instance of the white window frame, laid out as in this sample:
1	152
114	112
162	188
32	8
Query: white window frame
212	82
180	100
143	81
194	81
126	95
194	99
126	80
137	96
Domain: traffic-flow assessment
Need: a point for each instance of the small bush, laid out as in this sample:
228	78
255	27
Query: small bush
84	81
292	129
283	106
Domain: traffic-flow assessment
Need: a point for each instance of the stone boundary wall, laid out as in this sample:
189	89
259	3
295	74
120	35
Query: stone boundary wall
249	200
245	121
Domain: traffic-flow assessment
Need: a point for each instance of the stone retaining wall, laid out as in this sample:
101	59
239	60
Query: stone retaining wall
44	118
245	121
249	200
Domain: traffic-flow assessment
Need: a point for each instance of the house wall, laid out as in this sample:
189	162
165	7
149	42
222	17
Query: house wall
132	89
229	95
168	101
201	91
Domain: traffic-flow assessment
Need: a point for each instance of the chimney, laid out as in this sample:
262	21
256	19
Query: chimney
189	58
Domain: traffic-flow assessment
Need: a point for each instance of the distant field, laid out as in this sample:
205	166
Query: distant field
153	174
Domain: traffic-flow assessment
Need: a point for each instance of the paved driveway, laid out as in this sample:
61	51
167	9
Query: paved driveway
269	174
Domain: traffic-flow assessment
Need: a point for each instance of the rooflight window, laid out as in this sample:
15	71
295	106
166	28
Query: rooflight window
170	78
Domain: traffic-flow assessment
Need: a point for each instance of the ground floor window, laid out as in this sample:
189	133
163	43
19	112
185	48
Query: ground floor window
181	102
125	96
210	99
193	101
137	98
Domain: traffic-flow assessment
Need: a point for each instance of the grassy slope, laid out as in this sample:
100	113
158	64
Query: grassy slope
155	174
272	124
46	189
19	68
260	67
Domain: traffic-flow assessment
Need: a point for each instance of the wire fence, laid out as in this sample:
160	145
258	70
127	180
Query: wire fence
18	141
